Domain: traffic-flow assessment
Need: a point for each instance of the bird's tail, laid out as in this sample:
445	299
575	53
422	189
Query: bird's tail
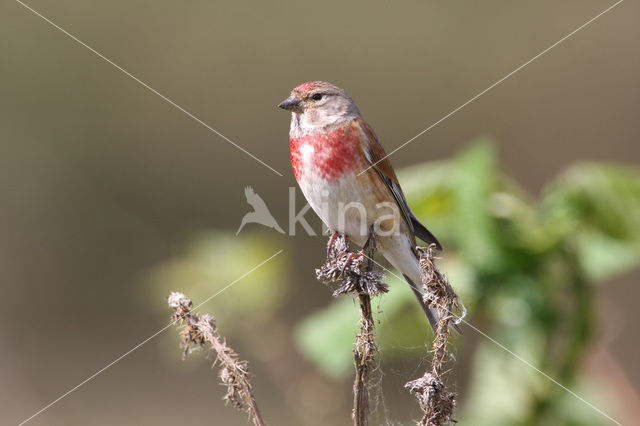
432	316
409	266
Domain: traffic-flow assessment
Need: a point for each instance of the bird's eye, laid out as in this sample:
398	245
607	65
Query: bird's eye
316	96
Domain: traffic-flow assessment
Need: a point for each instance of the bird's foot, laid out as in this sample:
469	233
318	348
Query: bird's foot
331	243
348	268
356	257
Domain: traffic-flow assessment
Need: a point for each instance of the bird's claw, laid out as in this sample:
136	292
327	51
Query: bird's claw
351	257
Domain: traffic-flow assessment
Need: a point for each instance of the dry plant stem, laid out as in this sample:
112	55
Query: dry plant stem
364	358
357	277
436	402
200	330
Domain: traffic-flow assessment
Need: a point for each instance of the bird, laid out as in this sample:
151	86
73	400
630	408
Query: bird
260	213
347	179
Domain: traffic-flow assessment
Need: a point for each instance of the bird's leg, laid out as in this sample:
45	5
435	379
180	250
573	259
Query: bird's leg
332	241
370	243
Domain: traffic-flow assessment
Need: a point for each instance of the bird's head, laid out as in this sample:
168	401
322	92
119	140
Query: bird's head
319	104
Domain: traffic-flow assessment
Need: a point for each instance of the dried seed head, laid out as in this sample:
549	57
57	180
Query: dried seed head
179	302
435	401
356	275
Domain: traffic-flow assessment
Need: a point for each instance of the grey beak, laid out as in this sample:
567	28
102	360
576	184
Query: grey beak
291	104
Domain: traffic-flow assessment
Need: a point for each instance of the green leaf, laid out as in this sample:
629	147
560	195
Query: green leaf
597	207
475	182
326	337
602	257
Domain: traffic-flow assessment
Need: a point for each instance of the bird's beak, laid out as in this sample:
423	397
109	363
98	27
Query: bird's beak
292	103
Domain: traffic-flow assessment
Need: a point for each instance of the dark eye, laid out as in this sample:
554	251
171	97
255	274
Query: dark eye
316	96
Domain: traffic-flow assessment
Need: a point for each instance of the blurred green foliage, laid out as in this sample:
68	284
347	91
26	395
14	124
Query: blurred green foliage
215	259
525	271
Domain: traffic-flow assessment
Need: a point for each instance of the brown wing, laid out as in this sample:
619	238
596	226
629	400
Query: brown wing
376	156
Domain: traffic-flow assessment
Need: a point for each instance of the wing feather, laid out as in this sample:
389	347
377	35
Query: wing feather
376	156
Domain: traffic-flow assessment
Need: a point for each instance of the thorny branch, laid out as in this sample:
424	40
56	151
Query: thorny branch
358	278
200	330
436	401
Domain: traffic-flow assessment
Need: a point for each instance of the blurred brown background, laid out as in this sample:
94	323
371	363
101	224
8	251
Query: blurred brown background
102	180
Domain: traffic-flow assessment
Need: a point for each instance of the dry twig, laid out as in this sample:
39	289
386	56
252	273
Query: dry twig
200	330
436	402
359	278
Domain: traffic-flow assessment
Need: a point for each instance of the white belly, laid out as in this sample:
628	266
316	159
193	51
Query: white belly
338	205
348	204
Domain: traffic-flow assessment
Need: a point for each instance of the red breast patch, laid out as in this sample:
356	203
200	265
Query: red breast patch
333	153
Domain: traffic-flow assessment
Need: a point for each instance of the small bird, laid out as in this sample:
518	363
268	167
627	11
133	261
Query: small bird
260	213
345	176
